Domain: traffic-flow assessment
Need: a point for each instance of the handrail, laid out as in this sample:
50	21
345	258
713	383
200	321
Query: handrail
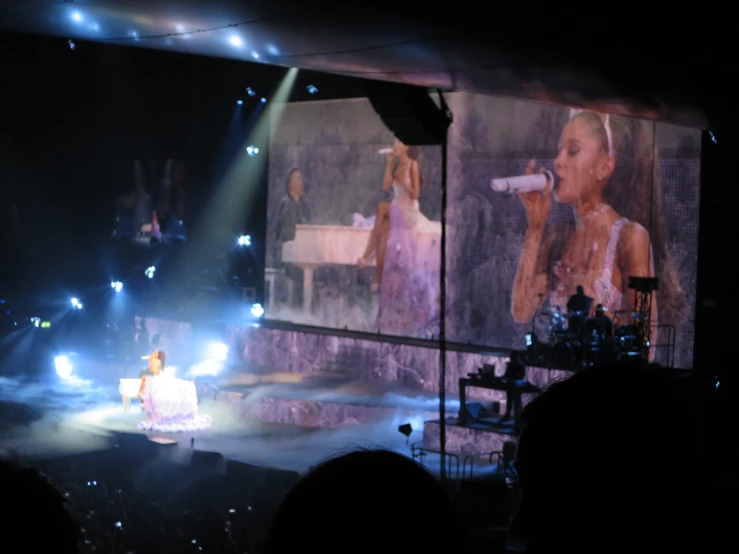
418	453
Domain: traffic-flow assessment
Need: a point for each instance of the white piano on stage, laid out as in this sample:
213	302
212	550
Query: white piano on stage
317	245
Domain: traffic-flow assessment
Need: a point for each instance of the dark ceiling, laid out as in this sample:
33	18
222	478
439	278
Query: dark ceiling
637	65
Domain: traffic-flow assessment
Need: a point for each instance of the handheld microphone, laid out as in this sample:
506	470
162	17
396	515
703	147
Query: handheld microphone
524	183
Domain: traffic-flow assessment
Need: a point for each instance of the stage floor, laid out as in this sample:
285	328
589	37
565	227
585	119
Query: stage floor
57	418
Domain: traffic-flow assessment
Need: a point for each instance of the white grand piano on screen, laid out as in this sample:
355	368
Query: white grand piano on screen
318	245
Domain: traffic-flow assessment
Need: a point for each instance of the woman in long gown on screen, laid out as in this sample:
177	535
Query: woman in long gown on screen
607	174
408	251
170	404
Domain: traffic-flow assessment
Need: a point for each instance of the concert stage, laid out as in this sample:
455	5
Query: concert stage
472	438
290	399
315	401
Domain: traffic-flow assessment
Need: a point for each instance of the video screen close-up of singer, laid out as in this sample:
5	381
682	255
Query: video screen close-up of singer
605	170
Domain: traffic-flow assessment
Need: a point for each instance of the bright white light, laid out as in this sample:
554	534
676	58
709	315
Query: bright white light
63	367
117	285
252	150
239	102
311	89
77	17
218	351
255	55
263	99
272	49
76	304
244	240
36	321
179	27
133	34
206	368
250	91
150	271
236	41
257	310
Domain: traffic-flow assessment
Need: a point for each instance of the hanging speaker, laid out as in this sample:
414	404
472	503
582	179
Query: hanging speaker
409	113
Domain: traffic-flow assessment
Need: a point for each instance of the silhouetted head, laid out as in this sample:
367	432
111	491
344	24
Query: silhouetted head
36	518
366	501
602	461
600	310
579	289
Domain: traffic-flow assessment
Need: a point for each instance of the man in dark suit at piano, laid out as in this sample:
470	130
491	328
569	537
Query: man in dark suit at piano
291	211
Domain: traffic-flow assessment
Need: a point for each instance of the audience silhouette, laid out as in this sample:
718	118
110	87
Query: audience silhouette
609	460
606	462
36	518
367	501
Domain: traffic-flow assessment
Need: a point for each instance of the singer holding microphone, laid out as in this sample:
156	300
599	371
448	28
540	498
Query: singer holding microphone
402	174
408	262
606	172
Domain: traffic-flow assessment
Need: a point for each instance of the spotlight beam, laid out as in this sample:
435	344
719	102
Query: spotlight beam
235	194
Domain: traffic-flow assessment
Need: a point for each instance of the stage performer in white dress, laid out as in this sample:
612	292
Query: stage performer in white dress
170	404
408	250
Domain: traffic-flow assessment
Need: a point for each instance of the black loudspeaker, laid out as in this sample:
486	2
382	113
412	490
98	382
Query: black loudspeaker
410	113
